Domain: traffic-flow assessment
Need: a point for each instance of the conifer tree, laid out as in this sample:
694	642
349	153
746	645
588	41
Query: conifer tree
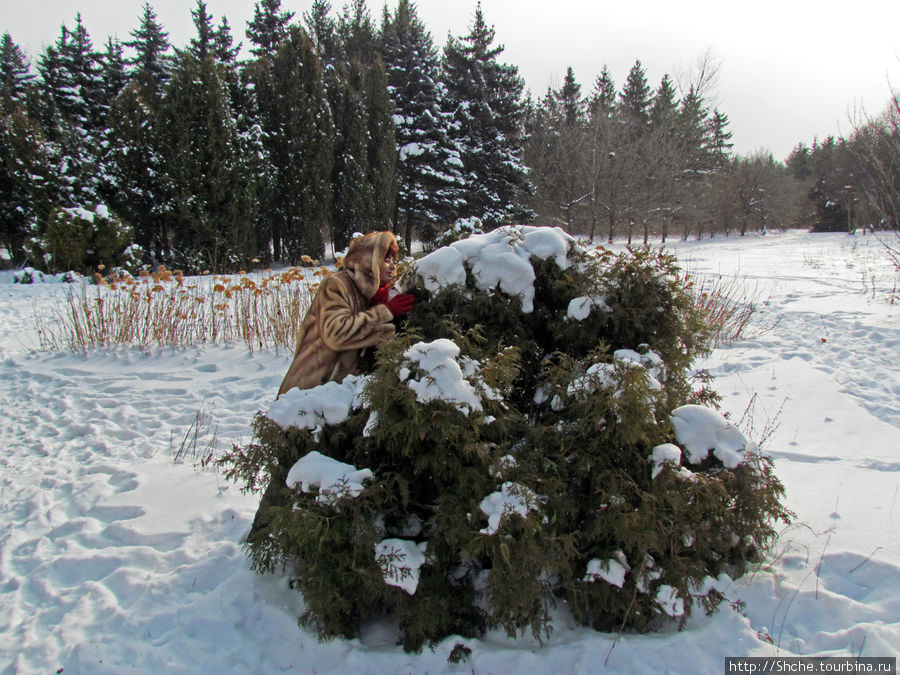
569	96
692	131
719	137
322	30
268	28
429	166
15	74
603	97
28	180
357	33
382	148
482	483
151	64
635	100
297	131
664	109
223	43
204	42
605	171
351	206
73	113
134	186
112	71
211	207
488	113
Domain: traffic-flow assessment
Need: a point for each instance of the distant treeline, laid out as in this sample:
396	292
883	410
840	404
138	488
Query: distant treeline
337	123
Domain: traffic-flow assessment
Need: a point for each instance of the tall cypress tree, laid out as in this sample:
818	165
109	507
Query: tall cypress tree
211	195
357	33
488	115
134	185
297	132
382	149
351	207
429	166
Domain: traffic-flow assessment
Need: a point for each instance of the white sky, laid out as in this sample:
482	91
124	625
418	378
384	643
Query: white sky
790	70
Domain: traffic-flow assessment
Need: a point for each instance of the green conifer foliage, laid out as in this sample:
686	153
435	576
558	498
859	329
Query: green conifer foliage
298	135
15	75
548	472
351	206
212	206
486	97
152	64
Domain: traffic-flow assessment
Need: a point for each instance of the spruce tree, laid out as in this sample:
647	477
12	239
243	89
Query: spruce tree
85	105
488	124
603	97
429	176
322	30
15	74
73	113
223	43
719	138
569	96
664	109
151	64
112	71
268	28
204	42
635	100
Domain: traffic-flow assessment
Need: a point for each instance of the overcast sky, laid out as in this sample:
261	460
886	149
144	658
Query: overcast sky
789	71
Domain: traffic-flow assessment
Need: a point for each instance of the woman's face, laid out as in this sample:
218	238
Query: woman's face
386	272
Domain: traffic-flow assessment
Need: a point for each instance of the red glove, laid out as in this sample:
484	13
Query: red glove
401	303
381	296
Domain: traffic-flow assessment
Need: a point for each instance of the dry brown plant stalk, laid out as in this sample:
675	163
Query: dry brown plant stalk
164	309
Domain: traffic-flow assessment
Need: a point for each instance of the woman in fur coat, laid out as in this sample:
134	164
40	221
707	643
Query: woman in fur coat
352	310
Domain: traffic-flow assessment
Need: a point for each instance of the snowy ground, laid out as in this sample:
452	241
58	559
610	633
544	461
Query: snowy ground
116	559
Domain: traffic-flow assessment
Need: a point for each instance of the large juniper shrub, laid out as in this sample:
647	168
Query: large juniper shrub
518	445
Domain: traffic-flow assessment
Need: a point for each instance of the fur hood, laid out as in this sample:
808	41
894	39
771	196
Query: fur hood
363	260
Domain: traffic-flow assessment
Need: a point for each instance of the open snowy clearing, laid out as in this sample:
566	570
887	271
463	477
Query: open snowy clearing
115	558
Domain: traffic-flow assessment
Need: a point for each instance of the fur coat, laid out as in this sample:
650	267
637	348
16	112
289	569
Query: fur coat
339	323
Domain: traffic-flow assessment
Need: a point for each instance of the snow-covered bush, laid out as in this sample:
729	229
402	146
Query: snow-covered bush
535	436
461	229
83	240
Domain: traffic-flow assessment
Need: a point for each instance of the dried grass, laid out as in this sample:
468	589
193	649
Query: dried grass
165	309
732	310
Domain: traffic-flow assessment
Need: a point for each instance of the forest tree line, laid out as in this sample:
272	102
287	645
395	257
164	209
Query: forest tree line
338	123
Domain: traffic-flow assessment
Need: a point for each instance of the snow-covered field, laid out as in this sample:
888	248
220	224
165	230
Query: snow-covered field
114	558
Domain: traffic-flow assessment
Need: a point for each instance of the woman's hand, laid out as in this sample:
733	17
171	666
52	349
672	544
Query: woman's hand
400	303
